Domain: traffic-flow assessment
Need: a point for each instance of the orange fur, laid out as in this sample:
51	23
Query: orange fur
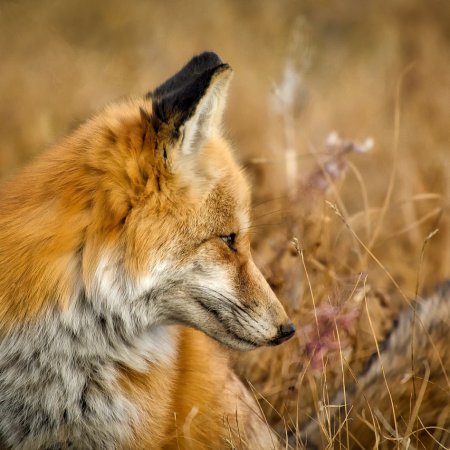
98	219
199	402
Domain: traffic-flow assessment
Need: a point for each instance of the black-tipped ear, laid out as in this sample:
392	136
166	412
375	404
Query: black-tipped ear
179	105
178	97
195	67
192	101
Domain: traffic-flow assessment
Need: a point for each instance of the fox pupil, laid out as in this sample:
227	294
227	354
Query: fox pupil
230	240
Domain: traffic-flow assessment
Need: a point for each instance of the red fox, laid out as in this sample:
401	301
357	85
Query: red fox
133	226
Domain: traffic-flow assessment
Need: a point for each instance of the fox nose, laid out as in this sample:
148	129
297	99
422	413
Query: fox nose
285	332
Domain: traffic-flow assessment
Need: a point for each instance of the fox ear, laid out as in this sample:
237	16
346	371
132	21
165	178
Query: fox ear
193	100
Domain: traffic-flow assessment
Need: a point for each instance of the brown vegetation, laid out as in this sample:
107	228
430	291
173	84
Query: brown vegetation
345	233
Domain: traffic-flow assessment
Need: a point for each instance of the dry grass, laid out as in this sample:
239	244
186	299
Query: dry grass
345	234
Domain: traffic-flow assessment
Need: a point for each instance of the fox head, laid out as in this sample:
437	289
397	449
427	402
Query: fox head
144	211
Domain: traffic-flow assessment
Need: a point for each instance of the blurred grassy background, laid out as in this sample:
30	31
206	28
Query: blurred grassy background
62	61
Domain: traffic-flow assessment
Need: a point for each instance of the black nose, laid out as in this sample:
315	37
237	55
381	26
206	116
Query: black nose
285	332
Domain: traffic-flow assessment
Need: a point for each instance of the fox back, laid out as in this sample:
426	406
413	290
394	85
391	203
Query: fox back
137	221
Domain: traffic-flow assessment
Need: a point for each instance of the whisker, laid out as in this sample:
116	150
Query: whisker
240	311
236	308
282	197
203	301
261	225
281	210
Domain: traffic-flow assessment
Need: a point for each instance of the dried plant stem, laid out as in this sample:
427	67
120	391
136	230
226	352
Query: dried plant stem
365	196
421	220
338	213
343	383
382	367
254	391
413	331
418	401
405	298
390	189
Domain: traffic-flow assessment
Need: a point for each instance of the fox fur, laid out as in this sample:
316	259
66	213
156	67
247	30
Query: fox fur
123	250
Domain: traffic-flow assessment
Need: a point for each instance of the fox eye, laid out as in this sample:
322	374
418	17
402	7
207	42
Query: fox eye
230	240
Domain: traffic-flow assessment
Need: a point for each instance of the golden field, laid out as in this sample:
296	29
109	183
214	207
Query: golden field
340	113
